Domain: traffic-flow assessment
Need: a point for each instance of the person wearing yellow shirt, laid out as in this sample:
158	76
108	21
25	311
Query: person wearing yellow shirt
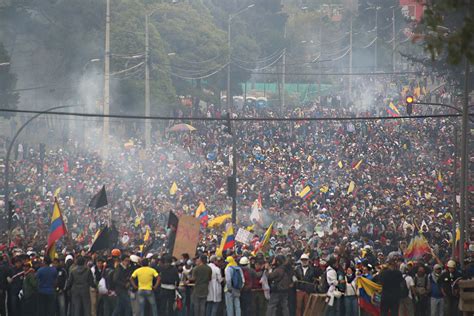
148	280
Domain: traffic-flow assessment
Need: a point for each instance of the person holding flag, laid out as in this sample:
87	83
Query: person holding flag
264	240
201	213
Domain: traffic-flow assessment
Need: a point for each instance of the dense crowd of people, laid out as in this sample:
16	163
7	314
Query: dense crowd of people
373	185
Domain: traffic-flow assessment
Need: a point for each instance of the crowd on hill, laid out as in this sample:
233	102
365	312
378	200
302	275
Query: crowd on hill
369	186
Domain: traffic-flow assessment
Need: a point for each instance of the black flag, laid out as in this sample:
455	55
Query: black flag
172	226
99	200
101	240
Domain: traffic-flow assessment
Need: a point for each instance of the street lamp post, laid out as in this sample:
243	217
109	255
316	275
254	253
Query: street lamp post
229	22
147	85
105	135
7	164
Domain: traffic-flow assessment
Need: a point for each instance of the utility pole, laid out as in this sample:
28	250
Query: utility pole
393	39
464	163
350	56
320	52
105	137
228	94
376	36
283	76
147	86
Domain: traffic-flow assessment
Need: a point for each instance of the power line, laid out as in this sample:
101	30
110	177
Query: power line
338	73
257	119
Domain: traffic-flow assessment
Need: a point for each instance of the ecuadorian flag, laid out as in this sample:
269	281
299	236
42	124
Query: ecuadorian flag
306	193
201	213
264	240
369	296
56	230
227	241
439	182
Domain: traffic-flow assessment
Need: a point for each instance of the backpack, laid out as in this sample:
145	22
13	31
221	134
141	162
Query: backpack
404	291
236	278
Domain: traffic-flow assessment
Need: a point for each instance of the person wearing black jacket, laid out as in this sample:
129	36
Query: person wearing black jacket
448	284
4	272
16	283
279	279
61	287
79	281
305	284
121	284
391	280
169	281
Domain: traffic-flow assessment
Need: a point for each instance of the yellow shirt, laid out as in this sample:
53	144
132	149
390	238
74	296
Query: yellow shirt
145	277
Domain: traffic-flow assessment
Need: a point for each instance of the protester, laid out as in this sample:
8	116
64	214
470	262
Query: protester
448	283
279	278
214	296
422	292
79	281
30	291
334	297
234	283
169	279
350	294
305	284
436	295
47	278
246	299
121	285
407	307
201	276
3	285
148	280
391	280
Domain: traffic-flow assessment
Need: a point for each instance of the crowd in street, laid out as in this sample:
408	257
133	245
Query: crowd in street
373	185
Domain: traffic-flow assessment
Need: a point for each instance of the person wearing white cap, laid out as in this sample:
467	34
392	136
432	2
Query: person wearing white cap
246	295
305	283
447	282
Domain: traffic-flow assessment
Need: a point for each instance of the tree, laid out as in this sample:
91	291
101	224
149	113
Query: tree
448	26
197	48
8	96
128	39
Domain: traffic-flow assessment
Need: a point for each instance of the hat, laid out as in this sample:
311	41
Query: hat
134	258
437	266
69	257
244	261
451	264
304	257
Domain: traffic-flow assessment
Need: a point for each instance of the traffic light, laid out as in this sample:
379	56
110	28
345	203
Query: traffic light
409	100
228	127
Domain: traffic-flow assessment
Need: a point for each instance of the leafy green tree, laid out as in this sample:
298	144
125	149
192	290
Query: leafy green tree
448	27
